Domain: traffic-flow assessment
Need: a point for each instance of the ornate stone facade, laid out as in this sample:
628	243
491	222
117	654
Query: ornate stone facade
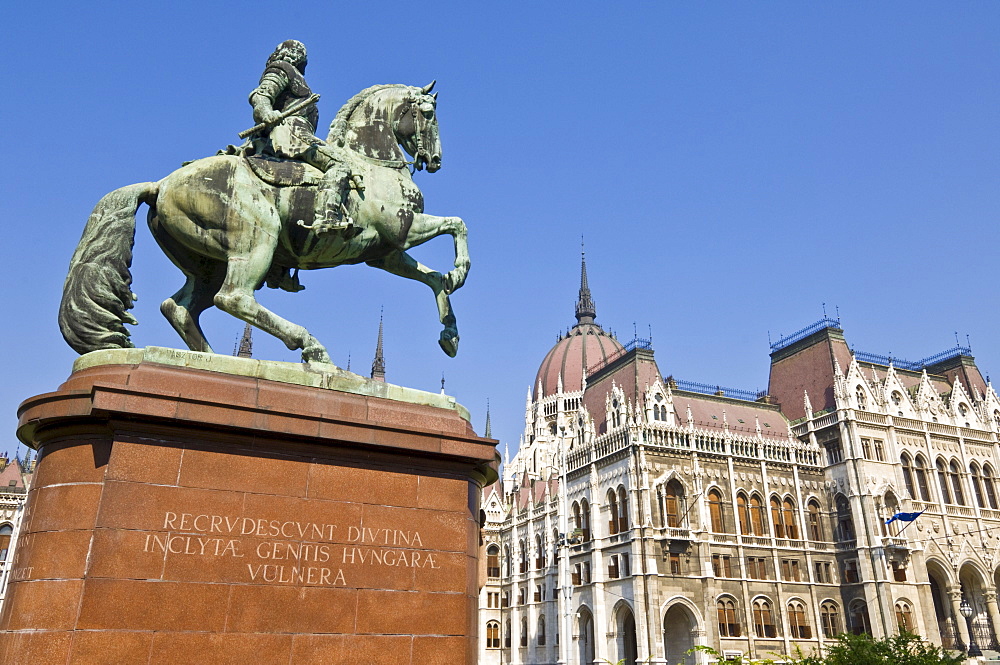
643	515
15	477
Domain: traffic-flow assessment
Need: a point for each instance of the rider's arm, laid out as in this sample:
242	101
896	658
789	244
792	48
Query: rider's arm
272	83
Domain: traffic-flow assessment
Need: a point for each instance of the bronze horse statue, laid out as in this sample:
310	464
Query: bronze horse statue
228	230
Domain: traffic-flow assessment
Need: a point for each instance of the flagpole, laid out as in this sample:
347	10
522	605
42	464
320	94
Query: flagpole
908	522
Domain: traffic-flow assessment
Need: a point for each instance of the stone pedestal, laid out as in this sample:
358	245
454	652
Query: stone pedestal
182	514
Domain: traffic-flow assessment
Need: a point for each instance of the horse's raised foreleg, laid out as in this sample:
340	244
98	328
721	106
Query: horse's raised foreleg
404	265
425	227
236	297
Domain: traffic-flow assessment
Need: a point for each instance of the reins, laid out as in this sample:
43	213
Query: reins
399	163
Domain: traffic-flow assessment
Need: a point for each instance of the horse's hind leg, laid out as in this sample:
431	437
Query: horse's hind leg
236	297
184	308
404	265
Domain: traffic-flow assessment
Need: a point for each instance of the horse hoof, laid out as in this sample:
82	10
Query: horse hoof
316	355
453	281
449	344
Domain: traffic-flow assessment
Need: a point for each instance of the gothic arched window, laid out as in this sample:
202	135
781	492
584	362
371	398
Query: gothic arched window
942	474
674	503
904	616
829	615
493	635
920	472
815	524
977	484
788	518
715	511
612	512
904	459
757	517
955	474
623	523
798	624
729	623
763	618
743	512
989	486
776	518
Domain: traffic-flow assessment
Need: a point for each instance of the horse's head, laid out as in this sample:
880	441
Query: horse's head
379	119
415	126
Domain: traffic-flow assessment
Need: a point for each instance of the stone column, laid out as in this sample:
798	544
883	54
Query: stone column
990	597
955	594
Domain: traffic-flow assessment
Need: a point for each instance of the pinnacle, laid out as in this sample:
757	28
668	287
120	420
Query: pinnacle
586	312
378	364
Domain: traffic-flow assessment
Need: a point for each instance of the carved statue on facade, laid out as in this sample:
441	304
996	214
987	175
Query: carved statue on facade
284	201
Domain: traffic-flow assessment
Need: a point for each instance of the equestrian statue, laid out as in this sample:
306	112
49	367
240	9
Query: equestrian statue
256	214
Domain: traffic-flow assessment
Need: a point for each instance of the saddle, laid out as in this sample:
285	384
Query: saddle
284	172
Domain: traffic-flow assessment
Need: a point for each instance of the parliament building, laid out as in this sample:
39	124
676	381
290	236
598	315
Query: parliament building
643	515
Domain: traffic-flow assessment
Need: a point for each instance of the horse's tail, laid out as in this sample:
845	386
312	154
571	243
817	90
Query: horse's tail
97	294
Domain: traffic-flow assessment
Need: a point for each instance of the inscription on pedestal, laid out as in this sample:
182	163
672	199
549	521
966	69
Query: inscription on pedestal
288	552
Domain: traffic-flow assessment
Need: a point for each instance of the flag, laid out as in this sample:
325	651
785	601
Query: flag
904	517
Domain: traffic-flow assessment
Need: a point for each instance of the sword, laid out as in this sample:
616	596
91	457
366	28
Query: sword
291	110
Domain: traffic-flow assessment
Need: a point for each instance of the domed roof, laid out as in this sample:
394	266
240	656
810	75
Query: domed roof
584	346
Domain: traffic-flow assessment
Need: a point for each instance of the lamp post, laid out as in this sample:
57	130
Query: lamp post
565	588
966	609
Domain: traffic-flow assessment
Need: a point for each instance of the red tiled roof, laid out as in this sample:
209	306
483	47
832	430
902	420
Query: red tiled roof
12	472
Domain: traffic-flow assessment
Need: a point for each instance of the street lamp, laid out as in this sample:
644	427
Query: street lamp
966	609
565	587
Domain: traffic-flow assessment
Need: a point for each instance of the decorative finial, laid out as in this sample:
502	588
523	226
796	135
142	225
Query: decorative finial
585	310
442	383
244	348
348	361
378	364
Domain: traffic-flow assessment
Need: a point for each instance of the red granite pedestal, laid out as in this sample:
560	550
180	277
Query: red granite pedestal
187	516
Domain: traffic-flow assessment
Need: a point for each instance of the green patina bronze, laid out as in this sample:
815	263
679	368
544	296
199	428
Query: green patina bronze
282	202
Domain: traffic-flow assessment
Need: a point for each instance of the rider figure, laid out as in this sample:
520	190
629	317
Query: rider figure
282	85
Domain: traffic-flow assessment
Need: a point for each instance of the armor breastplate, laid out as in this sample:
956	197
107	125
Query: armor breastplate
296	90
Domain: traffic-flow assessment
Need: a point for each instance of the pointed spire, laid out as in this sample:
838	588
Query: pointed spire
378	364
244	348
489	430
585	310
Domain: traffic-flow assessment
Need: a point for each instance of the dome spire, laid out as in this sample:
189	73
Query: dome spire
585	310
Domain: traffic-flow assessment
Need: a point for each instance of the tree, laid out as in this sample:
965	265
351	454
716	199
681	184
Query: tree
903	649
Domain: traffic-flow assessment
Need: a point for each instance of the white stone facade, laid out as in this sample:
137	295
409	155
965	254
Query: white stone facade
642	516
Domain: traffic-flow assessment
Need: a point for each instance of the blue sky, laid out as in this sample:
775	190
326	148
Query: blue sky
732	166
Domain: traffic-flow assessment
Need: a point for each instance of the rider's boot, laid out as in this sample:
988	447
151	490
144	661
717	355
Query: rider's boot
330	212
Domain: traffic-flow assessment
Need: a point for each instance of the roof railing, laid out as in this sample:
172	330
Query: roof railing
822	324
720	391
913	366
637	343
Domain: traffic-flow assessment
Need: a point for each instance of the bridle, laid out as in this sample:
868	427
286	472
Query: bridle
418	136
420	152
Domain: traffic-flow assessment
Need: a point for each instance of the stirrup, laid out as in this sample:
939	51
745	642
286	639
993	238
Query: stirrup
345	223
